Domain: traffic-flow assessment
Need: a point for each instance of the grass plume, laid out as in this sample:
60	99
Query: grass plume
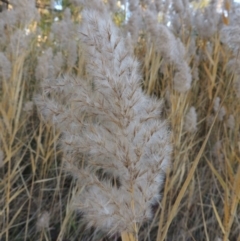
200	197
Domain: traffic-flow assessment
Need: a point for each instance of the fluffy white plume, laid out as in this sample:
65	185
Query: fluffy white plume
113	139
190	124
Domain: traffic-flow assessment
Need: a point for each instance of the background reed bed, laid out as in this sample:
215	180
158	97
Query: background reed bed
188	55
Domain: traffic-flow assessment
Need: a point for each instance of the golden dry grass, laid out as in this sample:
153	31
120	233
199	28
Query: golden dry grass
201	197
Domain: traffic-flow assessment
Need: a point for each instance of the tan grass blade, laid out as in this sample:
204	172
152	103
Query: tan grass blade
184	187
217	217
218	176
164	205
203	216
128	237
233	204
10	223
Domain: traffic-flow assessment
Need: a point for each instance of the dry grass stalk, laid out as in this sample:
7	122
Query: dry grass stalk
200	200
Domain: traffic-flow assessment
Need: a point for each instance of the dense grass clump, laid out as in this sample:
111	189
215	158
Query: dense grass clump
84	151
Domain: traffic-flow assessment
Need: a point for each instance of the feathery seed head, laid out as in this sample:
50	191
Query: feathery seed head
113	139
190	124
231	122
43	221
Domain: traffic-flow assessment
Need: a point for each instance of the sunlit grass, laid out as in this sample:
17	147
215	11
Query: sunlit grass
201	197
